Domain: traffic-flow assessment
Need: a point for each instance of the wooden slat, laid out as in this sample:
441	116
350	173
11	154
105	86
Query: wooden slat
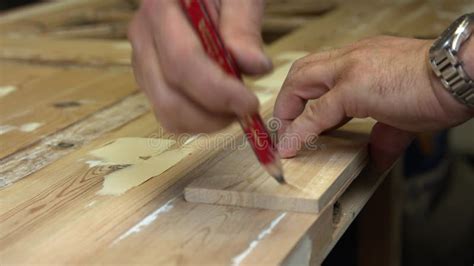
43	18
64	52
298	7
51	148
55	99
312	178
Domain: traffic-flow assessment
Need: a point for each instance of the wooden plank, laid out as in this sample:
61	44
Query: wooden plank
101	30
298	7
64	52
57	145
109	19
46	17
54	99
313	178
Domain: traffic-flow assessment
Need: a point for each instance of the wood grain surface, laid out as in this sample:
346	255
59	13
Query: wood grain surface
55	98
66	52
312	178
51	214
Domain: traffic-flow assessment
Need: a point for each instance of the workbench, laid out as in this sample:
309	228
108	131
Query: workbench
68	92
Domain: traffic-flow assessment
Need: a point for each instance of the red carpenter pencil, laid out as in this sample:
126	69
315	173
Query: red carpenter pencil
253	125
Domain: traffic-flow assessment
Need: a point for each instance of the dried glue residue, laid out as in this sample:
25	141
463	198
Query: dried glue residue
190	140
94	163
5	90
90	204
147	157
147	220
120	181
30	127
131	150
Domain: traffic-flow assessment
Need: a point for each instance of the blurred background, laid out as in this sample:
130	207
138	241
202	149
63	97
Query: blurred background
426	205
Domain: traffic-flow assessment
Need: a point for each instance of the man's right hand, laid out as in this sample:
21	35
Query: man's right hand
188	91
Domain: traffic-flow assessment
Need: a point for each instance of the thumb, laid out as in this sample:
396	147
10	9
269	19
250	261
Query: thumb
240	26
319	115
387	144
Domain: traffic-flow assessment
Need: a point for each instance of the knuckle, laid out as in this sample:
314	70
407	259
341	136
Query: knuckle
312	109
298	65
295	69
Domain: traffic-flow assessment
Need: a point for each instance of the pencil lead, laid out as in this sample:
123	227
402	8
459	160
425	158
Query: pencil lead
280	179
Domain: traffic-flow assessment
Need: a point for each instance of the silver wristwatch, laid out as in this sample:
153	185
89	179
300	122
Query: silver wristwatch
446	63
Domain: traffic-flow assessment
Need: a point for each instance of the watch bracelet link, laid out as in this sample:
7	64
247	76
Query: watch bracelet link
449	69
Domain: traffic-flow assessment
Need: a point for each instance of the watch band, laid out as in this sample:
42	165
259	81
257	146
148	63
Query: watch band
449	69
446	63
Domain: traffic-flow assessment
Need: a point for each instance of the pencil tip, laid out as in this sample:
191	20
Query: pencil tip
280	179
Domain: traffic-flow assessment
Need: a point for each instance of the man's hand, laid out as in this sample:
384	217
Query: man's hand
386	78
188	91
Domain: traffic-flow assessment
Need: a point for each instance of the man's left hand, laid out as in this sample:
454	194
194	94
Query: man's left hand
386	78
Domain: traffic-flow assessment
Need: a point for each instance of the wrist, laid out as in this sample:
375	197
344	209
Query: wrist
457	111
467	56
